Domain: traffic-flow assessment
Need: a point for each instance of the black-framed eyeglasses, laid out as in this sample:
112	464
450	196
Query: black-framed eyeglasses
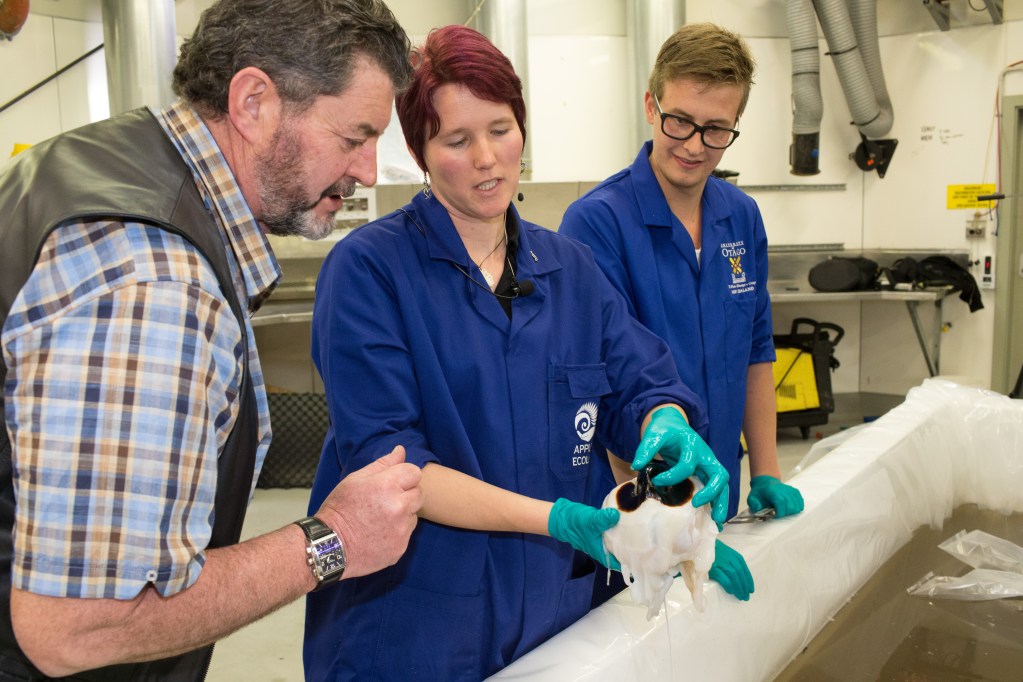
678	128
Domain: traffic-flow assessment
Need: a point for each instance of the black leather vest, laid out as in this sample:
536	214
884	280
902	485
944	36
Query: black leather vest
123	168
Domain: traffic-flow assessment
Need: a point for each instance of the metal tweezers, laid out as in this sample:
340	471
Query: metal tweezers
753	517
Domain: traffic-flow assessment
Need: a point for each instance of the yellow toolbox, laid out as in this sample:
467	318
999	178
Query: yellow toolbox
802	373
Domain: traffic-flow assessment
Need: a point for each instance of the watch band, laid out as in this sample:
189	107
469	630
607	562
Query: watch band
325	552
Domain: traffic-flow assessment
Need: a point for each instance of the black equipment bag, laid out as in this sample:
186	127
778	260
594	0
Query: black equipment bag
839	273
935	271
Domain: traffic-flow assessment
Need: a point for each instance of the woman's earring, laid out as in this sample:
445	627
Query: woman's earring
522	167
426	185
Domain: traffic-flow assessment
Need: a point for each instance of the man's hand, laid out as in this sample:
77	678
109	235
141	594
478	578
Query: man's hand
373	510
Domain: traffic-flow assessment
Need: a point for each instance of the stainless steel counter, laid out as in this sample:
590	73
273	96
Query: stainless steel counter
790	264
806	294
283	312
289	312
791	292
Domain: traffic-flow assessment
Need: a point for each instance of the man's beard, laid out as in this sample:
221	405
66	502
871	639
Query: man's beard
281	181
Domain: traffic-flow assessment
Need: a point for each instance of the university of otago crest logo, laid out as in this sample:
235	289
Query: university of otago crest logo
586	421
733	252
737	273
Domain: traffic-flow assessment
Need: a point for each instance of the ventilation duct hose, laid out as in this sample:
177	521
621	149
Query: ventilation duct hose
804	153
851	48
807	104
863	14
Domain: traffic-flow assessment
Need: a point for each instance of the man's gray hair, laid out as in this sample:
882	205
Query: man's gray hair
308	48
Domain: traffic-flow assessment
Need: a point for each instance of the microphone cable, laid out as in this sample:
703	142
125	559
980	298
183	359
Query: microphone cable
518	289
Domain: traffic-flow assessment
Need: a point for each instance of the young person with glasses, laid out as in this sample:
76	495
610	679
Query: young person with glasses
689	253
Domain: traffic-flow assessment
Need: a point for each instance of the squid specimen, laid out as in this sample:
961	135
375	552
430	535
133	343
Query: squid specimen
661	535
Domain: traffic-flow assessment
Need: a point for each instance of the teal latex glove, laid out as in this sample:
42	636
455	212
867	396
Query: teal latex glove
669	435
768	491
730	570
583	527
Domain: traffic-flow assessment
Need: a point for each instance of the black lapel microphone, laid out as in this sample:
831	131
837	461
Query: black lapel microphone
518	289
523	288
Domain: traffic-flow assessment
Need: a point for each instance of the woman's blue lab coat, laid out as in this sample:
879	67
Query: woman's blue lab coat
412	353
715	314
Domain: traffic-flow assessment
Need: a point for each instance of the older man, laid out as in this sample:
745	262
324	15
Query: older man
132	254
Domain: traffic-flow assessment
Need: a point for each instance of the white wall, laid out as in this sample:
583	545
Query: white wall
941	83
943	87
44	45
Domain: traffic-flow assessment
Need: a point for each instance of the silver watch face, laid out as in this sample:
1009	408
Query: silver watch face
330	555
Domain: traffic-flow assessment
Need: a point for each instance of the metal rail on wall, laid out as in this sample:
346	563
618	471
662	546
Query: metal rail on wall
49	78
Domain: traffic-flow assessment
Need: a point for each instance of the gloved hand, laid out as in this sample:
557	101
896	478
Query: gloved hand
768	491
730	570
669	434
582	527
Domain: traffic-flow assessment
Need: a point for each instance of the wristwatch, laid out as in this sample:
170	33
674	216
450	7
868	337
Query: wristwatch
325	553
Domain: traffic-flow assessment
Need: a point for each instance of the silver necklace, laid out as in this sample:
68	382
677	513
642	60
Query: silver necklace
486	273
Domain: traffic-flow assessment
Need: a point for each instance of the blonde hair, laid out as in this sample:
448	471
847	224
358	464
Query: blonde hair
707	54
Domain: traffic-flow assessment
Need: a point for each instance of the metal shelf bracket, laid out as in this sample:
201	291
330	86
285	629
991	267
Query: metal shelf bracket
994	8
939	12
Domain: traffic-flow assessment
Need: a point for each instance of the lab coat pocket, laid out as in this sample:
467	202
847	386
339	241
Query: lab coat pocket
453	648
573	399
738	336
576	596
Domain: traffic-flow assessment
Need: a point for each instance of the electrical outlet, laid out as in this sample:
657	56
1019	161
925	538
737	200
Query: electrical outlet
976	227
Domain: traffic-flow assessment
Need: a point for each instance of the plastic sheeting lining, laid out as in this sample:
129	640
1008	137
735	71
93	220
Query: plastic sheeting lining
945	446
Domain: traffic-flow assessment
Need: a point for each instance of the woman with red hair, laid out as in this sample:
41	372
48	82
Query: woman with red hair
498	355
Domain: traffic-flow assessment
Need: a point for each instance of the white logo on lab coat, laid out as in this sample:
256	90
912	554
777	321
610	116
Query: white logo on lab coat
586	421
734	252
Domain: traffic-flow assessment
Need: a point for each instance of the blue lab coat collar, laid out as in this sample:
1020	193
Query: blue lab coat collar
532	261
654	207
444	243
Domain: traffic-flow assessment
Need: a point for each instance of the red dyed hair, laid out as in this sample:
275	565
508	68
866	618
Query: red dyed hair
460	55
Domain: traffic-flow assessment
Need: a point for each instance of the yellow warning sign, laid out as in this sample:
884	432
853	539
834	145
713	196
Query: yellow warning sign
965	196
